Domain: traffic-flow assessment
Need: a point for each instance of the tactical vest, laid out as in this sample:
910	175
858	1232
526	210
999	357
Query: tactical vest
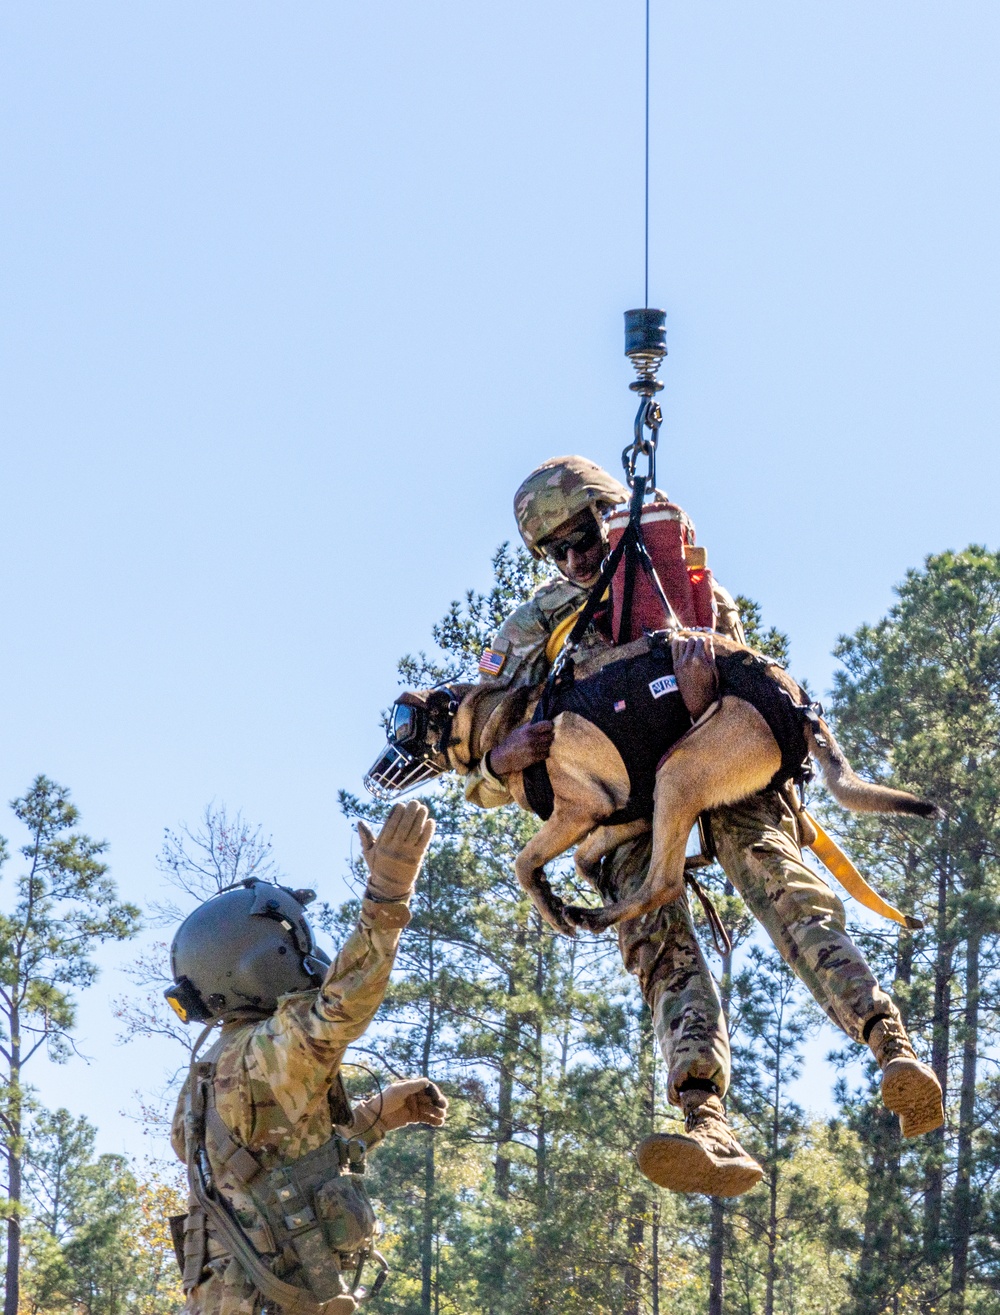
635	702
314	1213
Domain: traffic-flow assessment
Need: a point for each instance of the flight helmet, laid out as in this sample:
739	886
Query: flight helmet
241	950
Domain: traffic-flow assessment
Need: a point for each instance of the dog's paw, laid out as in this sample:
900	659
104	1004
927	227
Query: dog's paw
595	920
553	910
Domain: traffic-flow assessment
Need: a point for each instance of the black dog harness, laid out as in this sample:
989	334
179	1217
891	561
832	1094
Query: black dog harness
636	703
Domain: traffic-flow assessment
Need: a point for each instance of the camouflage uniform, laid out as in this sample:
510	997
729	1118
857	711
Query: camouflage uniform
661	949
758	847
276	1085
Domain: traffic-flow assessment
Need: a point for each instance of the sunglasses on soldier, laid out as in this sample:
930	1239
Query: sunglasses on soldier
580	541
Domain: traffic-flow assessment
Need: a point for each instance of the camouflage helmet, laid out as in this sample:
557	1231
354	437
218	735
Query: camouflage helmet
559	490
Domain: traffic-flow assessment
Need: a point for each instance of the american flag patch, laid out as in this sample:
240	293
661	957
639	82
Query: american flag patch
491	662
620	706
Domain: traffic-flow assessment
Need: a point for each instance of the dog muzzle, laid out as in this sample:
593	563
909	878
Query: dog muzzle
416	737
395	772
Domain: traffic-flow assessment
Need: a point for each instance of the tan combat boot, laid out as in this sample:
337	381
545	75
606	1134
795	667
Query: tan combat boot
909	1088
706	1157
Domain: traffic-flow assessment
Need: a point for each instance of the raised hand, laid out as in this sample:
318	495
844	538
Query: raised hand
395	854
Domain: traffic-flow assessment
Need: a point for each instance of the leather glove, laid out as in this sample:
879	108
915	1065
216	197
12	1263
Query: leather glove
415	1101
394	856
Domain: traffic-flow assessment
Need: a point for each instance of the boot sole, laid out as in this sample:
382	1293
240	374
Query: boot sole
911	1091
680	1164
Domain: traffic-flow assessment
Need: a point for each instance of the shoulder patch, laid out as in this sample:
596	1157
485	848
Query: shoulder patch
491	662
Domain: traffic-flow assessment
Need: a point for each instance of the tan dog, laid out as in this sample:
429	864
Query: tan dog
729	754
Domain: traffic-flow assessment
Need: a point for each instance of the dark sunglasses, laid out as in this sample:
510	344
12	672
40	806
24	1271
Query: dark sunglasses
581	540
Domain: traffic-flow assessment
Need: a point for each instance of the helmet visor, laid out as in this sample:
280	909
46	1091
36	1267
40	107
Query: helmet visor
395	772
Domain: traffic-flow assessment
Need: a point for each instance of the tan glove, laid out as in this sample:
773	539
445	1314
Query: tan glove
395	855
415	1101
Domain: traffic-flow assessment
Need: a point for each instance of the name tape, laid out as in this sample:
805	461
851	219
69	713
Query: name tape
663	685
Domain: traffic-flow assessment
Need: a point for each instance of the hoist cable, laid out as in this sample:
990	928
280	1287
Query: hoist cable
646	280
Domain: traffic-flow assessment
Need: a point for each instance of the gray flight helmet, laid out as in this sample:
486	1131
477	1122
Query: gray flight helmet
242	949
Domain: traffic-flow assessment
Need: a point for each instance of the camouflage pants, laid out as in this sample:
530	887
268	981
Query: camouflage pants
662	950
757	842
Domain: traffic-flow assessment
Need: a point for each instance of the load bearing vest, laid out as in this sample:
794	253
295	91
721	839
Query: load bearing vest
682	566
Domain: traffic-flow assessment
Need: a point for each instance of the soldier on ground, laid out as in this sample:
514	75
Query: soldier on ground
560	514
278	1218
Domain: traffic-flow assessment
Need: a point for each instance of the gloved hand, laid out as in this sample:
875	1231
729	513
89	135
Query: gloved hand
394	856
415	1101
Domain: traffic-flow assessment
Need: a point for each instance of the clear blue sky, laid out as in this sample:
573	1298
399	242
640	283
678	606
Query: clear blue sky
294	296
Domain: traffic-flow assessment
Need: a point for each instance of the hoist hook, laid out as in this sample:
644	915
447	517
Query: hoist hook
645	346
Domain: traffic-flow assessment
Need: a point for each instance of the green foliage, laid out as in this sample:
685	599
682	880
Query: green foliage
772	642
97	1243
63	906
918	705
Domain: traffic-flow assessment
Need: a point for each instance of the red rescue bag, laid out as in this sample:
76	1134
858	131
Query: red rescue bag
686	579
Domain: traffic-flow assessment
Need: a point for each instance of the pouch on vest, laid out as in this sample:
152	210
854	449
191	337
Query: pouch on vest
669	537
323	1213
314	1209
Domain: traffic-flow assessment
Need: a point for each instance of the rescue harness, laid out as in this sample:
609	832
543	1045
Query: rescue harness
634	598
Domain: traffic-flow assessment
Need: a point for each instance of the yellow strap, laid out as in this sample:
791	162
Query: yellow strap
557	638
553	646
836	861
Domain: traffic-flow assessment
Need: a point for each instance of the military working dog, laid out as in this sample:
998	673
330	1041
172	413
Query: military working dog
625	756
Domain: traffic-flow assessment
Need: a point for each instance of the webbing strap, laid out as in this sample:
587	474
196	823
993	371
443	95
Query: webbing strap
836	862
586	613
583	619
720	937
633	533
226	1150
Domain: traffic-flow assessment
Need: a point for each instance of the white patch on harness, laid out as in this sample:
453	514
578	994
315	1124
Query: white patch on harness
663	685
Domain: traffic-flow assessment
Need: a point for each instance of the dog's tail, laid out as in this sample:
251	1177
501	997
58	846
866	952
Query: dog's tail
850	790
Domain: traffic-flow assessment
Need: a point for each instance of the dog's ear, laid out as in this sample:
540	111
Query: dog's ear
415	698
437	702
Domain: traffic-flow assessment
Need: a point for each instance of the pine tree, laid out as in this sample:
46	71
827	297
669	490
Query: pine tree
919	704
64	906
